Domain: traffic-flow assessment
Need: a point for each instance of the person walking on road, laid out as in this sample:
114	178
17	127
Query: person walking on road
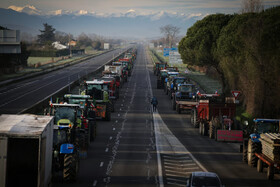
154	102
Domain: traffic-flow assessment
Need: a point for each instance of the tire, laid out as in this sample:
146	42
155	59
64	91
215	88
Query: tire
204	129
200	128
173	103
260	166
245	151
178	109
70	168
193	118
270	172
252	149
212	130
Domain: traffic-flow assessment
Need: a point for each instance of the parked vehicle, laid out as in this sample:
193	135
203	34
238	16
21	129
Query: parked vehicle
159	66
26	150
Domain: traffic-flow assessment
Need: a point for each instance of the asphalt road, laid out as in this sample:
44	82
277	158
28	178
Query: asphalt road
18	97
139	147
144	148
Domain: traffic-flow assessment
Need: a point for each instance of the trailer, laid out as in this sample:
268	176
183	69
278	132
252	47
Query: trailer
26	143
272	166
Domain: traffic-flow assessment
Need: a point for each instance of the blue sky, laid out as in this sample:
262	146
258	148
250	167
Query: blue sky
140	6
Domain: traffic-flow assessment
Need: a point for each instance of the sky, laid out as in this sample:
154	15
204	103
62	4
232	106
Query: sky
140	6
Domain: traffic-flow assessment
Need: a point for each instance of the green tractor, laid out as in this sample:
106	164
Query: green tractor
86	114
99	90
65	141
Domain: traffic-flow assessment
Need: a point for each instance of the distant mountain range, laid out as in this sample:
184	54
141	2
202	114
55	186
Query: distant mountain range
129	24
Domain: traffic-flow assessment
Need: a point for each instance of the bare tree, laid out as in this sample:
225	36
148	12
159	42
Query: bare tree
170	32
252	6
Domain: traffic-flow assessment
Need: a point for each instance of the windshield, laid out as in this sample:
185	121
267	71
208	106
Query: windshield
201	181
64	113
267	127
179	81
164	73
186	88
59	136
97	86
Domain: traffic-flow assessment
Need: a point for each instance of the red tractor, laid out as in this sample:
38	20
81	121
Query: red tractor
214	116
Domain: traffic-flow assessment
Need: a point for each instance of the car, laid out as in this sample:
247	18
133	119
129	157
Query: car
204	179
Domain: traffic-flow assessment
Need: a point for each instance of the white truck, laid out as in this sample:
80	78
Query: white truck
26	143
113	69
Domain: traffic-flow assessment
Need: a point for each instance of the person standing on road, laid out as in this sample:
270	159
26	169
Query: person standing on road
154	102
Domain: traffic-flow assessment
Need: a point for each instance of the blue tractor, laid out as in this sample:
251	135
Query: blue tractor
251	140
65	142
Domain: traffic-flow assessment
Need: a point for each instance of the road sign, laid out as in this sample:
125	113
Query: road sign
175	58
167	50
235	93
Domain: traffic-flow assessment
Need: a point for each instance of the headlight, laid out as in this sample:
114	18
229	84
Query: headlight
193	96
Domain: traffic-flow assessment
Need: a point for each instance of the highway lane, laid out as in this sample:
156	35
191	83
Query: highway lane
19	96
141	148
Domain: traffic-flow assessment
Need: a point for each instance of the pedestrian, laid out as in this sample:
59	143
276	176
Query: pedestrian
154	102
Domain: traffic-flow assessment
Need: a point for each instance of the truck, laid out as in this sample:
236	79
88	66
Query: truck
26	143
184	97
215	116
124	74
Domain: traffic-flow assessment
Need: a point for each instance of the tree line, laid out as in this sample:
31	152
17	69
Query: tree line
244	49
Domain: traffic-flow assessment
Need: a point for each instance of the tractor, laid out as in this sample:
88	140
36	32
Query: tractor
184	97
66	141
159	66
160	78
99	90
252	133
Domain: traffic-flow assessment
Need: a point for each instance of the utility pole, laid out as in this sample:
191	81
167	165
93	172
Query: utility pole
70	51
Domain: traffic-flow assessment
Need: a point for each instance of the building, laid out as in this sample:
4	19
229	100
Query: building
72	43
9	41
59	46
106	46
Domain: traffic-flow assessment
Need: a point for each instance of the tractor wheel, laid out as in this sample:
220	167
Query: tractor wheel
193	117
173	103
270	172
245	151
212	130
260	166
178	109
200	128
70	169
252	149
204	129
82	140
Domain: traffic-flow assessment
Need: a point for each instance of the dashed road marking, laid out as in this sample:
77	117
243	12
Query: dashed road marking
107	149
94	183
101	164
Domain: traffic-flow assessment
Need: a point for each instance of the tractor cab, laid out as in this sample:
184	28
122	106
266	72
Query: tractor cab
98	89
186	92
264	126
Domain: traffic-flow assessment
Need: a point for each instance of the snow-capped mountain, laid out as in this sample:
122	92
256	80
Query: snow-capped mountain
124	24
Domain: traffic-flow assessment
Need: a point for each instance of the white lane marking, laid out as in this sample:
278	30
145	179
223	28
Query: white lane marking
107	149
114	129
118	115
94	183
101	164
116	121
110	137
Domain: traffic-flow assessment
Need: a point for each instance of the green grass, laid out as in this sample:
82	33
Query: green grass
42	60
